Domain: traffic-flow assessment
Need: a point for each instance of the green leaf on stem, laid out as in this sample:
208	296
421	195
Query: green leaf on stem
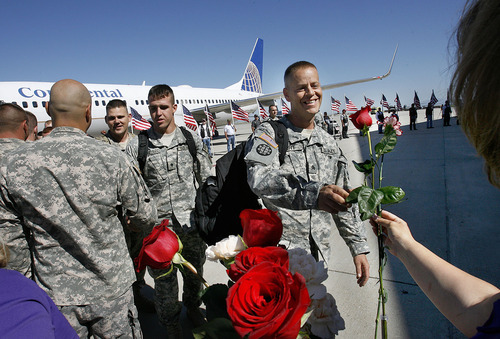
387	143
217	328
353	196
392	194
368	200
364	167
214	298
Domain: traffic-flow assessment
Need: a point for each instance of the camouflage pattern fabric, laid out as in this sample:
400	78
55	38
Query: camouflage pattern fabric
172	175
108	139
70	191
293	188
9	144
116	318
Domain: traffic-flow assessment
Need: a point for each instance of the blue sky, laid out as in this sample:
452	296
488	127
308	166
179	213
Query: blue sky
208	43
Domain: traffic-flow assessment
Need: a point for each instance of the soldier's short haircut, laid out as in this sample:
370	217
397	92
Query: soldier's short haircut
272	106
11	116
296	66
32	121
160	91
115	103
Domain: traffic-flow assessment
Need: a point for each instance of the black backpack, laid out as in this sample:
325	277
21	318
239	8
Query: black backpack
221	198
142	152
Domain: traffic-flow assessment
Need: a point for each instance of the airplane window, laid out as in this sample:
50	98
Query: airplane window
43	103
97	102
15	103
25	104
177	101
197	101
137	102
142	102
147	102
35	104
104	103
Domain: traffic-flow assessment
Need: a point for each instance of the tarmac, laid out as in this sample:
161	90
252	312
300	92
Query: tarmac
451	209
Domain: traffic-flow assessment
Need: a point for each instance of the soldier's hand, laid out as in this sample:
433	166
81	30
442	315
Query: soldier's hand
332	199
362	269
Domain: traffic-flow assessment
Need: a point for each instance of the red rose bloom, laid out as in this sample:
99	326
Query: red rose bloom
268	302
253	256
261	227
361	118
158	248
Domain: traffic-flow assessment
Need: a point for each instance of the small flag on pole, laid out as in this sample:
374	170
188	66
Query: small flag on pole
238	113
433	99
262	111
138	122
284	108
369	102
189	119
210	118
335	105
398	103
384	102
350	107
416	101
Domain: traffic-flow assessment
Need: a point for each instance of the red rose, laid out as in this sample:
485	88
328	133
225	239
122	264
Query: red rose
362	118
261	227
158	248
268	302
253	256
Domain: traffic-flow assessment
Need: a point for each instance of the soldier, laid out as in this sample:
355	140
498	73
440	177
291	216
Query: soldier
13	128
273	111
310	187
68	192
176	161
117	118
32	127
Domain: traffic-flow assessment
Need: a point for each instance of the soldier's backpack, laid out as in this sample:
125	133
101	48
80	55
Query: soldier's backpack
142	152
221	198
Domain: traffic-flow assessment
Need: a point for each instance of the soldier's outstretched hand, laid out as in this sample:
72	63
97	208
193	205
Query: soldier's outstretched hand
332	199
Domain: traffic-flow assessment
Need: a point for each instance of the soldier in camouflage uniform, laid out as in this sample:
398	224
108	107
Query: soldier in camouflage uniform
310	187
117	118
69	191
13	128
172	175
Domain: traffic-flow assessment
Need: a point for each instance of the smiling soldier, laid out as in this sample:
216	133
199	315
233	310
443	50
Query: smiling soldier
308	188
117	118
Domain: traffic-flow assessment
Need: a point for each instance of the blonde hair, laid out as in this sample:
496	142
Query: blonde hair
475	86
4	254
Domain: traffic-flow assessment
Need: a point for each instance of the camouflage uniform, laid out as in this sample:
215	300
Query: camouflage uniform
109	139
9	144
172	176
293	188
69	190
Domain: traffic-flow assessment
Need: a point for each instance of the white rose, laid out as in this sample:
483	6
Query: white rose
325	320
225	249
313	272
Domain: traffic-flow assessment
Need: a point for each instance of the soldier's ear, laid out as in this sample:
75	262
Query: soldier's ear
285	93
88	113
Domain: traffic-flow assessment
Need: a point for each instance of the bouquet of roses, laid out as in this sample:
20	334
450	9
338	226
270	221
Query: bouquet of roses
273	292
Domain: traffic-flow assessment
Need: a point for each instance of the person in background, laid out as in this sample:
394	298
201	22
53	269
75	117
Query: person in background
273	112
32	127
471	304
413	117
344	120
380	119
230	132
206	135
255	122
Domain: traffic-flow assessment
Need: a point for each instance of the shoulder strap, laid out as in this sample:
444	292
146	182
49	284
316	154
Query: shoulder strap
190	141
142	152
281	138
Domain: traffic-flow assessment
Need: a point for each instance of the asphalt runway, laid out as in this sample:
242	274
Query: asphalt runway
450	206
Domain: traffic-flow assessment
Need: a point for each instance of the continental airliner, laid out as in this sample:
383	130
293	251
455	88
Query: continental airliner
32	96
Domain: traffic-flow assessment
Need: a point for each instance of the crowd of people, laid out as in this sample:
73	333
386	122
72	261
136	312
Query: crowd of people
74	209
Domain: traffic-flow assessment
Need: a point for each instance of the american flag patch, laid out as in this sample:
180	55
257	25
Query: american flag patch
269	140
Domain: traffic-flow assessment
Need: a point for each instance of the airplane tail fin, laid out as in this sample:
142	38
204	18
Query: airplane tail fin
252	78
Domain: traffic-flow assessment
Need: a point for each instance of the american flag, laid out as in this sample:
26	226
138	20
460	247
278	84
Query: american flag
284	108
262	111
384	102
239	113
138	122
369	101
335	105
433	99
350	107
398	103
416	101
188	119
210	119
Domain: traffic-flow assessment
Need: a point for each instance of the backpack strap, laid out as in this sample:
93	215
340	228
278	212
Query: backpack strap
190	141
281	138
142	152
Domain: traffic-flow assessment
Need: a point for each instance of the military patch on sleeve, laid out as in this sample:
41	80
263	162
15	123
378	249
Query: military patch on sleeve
269	140
264	150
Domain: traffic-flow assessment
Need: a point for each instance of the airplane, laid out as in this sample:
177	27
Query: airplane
32	96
